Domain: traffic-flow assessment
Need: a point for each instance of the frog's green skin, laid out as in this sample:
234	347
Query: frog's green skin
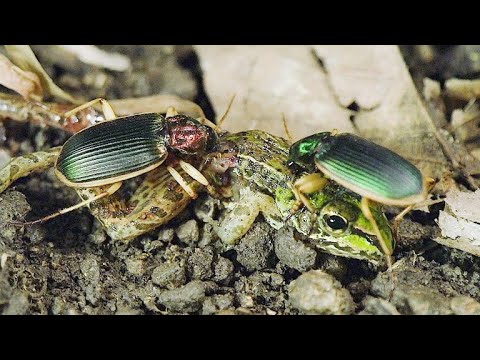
260	183
155	202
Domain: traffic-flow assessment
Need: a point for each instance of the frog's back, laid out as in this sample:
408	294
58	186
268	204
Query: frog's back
262	158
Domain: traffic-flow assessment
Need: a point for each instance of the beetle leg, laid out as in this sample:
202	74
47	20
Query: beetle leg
176	175
365	206
106	108
301	200
311	183
430	184
307	184
111	189
197	175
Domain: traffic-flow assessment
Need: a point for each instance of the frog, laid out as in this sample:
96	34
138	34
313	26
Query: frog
255	170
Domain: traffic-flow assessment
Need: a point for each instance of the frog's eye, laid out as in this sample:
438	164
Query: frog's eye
335	223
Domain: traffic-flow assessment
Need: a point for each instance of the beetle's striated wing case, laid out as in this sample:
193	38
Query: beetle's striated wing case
370	167
112	150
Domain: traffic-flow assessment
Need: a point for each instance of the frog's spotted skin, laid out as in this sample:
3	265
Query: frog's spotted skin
156	201
260	184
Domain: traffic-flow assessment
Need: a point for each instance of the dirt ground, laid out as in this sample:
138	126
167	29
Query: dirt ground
70	266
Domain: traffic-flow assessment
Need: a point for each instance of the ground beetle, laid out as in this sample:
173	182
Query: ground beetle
374	172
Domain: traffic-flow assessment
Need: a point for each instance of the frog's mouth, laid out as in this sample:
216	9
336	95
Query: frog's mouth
355	244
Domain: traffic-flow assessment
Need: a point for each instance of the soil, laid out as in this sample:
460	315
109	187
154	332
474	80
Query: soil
70	266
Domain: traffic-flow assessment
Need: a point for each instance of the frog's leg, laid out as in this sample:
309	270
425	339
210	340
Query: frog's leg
307	184
157	200
22	166
242	212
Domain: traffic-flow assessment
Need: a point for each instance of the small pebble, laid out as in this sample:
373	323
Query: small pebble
166	235
188	232
18	304
255	249
316	292
464	305
187	299
200	263
136	267
223	270
169	275
377	306
213	304
294	253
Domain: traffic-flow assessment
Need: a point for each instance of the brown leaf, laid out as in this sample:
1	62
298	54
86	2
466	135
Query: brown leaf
24	58
25	83
156	103
269	81
361	89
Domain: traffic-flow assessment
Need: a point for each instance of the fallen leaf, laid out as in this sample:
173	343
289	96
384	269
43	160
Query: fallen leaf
156	103
361	89
24	58
269	82
391	111
463	89
92	55
460	221
25	83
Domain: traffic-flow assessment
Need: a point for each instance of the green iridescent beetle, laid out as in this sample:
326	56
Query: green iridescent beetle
370	170
260	182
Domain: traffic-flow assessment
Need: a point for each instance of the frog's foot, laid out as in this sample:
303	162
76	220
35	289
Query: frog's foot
22	166
242	213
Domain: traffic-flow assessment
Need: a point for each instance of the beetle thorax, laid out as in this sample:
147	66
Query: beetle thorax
186	135
187	138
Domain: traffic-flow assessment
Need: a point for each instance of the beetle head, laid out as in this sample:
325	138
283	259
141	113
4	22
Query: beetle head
302	153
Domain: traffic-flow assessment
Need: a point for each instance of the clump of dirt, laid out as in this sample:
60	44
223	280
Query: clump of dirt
70	266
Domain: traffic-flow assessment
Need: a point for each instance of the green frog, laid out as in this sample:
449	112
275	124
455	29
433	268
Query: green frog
259	181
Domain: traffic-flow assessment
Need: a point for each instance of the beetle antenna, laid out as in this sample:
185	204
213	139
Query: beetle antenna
285	127
222	119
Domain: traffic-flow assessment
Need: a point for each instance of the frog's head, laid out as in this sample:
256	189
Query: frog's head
301	154
338	226
342	229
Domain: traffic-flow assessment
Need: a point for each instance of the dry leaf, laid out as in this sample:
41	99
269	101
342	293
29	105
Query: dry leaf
460	221
156	103
269	81
463	89
24	58
25	83
319	88
391	111
92	55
